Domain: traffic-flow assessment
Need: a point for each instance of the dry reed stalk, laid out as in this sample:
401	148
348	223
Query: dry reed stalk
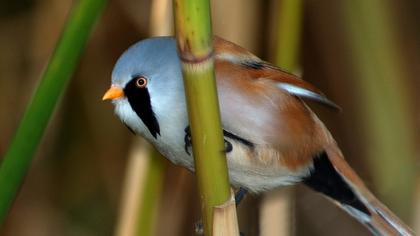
139	208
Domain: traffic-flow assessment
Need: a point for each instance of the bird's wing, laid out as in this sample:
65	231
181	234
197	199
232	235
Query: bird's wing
255	68
261	103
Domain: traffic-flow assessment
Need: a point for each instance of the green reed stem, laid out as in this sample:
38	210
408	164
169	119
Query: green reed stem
52	85
194	36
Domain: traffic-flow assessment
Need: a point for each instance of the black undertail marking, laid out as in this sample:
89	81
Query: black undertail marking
325	179
139	99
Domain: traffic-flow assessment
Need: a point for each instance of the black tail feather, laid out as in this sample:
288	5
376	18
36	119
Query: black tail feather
325	179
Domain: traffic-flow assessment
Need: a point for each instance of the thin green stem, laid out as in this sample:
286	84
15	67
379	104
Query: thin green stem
54	80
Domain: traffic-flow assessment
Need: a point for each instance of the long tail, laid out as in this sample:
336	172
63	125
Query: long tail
332	176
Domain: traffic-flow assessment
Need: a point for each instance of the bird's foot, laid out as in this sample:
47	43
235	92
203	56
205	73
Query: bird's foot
198	228
188	142
228	146
239	195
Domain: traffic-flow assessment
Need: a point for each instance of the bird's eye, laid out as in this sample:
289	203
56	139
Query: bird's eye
141	82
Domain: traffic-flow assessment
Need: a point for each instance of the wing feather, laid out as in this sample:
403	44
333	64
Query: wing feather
255	68
308	94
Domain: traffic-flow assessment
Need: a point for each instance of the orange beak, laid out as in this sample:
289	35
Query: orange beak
114	92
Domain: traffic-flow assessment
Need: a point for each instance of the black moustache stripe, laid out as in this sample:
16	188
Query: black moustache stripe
139	99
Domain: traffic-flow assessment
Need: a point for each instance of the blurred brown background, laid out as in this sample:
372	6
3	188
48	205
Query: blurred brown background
75	182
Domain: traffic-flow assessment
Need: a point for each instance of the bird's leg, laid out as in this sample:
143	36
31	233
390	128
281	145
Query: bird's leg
188	142
228	146
198	228
239	195
187	139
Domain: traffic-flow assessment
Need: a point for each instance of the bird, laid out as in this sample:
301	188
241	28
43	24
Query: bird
272	138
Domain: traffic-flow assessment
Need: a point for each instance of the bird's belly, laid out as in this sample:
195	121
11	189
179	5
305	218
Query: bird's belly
261	168
177	156
257	169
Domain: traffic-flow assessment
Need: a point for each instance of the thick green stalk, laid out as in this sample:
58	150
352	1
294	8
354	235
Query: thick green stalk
52	85
380	77
288	34
194	36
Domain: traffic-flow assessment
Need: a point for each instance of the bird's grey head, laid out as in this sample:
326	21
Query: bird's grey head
149	75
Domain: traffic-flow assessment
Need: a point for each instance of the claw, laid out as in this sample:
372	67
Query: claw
187	139
228	146
198	228
239	195
188	142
